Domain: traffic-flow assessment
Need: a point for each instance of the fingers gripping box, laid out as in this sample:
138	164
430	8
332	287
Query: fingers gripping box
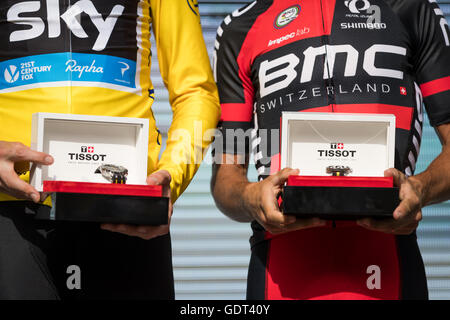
83	148
342	159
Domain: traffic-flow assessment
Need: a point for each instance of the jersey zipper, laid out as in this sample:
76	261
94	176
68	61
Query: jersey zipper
331	99
325	39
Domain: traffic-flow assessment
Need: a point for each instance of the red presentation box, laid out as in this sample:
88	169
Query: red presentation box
106	203
340	198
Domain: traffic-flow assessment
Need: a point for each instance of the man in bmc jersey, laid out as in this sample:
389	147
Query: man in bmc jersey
351	56
93	57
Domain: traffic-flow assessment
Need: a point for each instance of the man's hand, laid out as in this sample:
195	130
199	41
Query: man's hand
407	215
16	156
162	178
260	200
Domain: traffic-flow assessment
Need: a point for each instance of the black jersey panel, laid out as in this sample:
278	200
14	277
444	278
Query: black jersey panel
53	26
430	40
256	279
438	108
230	37
412	269
235	91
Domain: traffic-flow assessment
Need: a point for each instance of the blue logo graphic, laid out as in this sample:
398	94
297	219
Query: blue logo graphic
11	74
64	67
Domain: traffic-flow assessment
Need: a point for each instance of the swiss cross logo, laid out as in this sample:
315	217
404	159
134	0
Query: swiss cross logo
87	149
336	145
403	91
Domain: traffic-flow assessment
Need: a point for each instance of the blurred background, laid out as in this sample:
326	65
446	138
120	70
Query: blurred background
211	252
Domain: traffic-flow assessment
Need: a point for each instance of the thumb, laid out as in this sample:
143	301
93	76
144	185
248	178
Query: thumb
161	177
398	177
281	176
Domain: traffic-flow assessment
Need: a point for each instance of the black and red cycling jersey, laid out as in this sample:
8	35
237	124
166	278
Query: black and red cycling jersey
352	56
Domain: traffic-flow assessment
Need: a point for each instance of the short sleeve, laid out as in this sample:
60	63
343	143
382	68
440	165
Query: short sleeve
235	87
432	60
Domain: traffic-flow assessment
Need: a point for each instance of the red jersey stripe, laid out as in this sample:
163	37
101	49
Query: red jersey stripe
435	86
103	188
238	112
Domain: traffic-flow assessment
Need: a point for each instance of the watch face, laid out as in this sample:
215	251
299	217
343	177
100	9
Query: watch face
339	171
113	173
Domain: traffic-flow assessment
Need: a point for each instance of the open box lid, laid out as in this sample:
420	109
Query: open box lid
313	141
79	144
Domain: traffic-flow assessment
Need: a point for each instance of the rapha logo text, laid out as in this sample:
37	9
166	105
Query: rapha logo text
72	66
22	14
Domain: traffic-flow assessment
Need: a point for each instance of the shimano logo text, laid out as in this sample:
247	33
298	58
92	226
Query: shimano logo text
363	25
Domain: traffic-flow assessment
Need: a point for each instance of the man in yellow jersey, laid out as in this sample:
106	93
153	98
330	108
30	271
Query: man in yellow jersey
93	57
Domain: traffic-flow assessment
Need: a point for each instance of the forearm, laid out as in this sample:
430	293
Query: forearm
189	136
229	185
185	69
434	182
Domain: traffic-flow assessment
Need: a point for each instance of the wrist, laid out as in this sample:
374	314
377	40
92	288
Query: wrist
421	184
249	199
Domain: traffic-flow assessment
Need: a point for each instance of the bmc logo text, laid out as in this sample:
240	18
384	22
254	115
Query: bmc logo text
17	14
283	68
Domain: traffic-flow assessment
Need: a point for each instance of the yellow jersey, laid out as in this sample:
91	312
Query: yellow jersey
94	58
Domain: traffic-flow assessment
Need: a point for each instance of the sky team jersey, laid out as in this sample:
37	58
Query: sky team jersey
352	56
94	57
